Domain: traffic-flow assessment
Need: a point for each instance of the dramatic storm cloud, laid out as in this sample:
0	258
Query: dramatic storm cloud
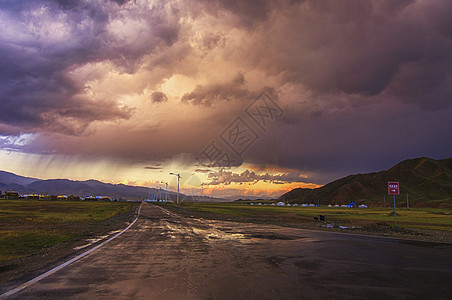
358	85
225	177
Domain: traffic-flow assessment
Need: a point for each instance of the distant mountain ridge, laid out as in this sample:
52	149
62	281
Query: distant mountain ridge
28	185
427	181
11	178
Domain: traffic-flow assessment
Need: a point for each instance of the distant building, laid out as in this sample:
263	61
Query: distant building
12	195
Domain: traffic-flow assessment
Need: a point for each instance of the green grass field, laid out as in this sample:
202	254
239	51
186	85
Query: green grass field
27	226
421	218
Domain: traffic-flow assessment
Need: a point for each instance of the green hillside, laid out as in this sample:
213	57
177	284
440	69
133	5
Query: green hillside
427	181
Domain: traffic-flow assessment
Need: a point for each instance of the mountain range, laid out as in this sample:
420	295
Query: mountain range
27	185
428	182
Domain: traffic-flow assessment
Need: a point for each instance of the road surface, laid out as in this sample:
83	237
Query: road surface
165	256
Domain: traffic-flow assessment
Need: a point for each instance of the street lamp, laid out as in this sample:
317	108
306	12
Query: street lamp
160	194
166	190
178	178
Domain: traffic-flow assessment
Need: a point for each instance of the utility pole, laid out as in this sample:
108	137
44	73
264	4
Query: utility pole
178	179
395	214
384	201
394	189
407	204
166	191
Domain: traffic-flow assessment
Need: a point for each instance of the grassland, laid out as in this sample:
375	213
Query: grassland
437	219
28	226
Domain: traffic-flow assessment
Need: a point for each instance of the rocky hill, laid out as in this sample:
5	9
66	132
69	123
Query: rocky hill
428	182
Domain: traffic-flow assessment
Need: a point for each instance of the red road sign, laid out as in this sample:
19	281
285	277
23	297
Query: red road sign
393	188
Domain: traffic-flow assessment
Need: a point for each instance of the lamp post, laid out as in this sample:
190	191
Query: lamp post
178	178
166	190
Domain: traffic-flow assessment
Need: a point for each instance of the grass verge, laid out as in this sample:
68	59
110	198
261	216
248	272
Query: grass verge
36	232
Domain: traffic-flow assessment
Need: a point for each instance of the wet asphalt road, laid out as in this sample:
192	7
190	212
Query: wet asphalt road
165	256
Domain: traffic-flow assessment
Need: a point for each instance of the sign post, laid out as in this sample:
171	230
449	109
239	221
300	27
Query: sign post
394	189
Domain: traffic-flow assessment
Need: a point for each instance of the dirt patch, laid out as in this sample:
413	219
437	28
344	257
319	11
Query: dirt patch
391	214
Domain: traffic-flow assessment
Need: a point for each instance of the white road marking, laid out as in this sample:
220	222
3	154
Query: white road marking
56	269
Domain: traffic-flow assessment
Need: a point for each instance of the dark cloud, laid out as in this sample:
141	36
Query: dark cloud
54	103
361	47
209	94
7	130
158	97
36	90
203	170
249	13
121	2
153	168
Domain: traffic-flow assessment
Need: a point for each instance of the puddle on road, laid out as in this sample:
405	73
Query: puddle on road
245	233
213	230
272	236
210	233
218	234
